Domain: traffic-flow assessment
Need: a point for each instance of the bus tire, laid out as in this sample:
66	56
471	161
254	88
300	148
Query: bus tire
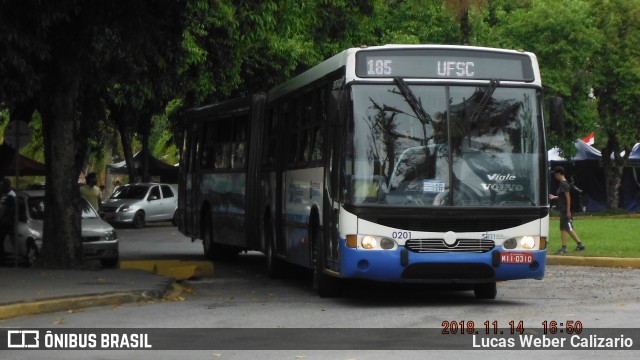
326	285
486	291
275	266
207	237
225	252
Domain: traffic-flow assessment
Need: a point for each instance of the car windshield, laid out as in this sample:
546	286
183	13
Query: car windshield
444	146
137	192
36	209
87	210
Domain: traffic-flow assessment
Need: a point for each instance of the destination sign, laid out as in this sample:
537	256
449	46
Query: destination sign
444	64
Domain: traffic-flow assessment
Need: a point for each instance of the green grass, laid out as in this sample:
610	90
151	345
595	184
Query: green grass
615	236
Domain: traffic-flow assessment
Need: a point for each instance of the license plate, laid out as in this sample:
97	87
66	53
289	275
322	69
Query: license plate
516	258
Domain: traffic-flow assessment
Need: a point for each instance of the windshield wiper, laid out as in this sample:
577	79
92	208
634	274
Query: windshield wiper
413	101
493	85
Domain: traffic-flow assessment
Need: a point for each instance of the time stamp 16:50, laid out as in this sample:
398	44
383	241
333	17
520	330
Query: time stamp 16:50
512	327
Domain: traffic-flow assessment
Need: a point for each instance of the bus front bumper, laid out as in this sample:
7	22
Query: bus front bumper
401	265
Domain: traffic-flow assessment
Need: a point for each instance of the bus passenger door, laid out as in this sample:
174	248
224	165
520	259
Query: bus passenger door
333	159
190	201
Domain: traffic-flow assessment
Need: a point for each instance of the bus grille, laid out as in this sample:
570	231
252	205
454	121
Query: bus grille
439	246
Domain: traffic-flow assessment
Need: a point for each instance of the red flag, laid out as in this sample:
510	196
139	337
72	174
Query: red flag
590	139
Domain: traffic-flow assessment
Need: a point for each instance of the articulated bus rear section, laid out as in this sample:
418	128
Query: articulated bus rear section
219	176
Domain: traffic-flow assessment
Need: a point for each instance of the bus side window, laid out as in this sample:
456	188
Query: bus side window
207	155
271	139
317	143
238	159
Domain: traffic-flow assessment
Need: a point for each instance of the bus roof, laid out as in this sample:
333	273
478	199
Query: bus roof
224	108
346	60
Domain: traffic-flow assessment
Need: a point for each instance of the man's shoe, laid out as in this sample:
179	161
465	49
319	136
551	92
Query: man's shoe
561	252
580	247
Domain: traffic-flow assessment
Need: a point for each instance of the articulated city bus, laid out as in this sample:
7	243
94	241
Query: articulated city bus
397	163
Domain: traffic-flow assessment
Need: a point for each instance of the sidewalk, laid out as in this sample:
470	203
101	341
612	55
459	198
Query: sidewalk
34	291
26	291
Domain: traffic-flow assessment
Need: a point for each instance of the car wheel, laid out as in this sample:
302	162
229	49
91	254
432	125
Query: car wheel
109	263
32	254
174	220
138	220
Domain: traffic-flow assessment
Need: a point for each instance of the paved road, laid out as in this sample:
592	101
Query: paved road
240	295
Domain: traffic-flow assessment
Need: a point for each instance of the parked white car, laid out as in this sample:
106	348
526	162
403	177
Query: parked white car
99	239
137	204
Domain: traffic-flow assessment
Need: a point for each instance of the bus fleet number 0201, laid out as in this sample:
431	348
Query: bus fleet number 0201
401	235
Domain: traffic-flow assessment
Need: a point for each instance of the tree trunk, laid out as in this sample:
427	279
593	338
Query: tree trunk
62	246
613	181
120	118
612	163
144	137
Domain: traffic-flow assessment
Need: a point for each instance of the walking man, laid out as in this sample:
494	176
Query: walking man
564	206
91	192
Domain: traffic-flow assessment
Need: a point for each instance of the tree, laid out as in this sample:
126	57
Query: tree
413	22
616	86
563	39
63	55
461	10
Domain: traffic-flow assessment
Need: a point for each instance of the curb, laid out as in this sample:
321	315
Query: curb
630	263
177	269
171	270
8	311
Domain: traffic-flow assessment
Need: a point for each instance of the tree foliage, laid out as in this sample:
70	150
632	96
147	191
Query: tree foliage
81	68
616	85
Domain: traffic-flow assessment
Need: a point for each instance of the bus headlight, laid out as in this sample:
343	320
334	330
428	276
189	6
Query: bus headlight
526	242
370	242
387	243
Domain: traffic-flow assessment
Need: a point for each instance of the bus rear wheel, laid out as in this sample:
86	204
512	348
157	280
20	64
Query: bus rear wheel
486	291
275	266
207	239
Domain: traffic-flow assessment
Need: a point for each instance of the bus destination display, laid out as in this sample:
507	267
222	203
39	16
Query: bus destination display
444	64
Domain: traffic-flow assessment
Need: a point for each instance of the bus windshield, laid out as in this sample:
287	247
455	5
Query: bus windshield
428	145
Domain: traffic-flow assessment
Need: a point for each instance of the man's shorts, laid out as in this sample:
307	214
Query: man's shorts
566	223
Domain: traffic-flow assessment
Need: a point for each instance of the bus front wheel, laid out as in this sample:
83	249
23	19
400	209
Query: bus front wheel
326	285
486	291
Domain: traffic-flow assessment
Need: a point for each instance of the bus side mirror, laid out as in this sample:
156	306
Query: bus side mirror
556	110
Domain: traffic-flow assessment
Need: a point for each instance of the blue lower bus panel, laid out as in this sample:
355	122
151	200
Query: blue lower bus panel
401	265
